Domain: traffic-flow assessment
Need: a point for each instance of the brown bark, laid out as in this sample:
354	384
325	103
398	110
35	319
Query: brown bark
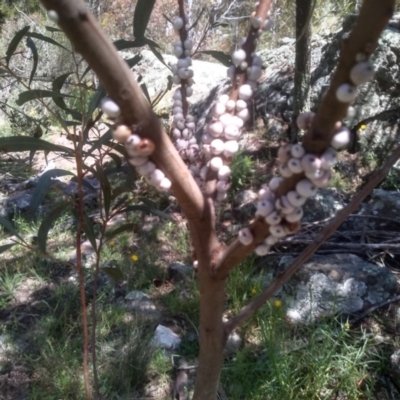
302	61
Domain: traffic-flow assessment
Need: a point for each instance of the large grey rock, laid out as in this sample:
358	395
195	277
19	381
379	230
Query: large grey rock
381	211
165	338
337	283
325	204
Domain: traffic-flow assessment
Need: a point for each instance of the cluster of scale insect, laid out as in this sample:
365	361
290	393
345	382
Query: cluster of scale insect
139	149
284	213
221	138
184	125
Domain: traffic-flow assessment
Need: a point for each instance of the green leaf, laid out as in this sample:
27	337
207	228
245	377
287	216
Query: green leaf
9	226
57	86
114	273
31	44
84	183
52	29
95	101
26	143
223	58
105	187
145	209
87	227
123	228
118	191
158	54
6	247
141	17
15	42
145	91
43	186
100	142
47	223
116	159
134	60
59	81
46	39
123	44
37	94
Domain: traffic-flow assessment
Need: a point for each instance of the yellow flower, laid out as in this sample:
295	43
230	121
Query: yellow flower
277	304
363	127
112	243
134	257
347	326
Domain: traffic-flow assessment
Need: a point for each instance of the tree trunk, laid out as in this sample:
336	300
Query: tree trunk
212	336
302	61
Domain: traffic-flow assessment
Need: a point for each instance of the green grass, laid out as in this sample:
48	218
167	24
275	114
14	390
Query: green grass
329	360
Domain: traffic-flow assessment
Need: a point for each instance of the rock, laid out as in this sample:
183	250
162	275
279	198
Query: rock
136	295
15	204
326	203
337	283
395	368
233	343
165	338
179	272
140	303
381	203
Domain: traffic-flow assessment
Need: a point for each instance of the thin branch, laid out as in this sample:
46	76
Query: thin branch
373	18
305	255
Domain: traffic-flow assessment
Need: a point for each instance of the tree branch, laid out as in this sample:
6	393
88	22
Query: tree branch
373	18
249	309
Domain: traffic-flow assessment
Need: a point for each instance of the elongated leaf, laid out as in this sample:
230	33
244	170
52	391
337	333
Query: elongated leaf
100	142
123	228
123	44
114	273
95	101
15	42
152	43
121	201
43	186
46	39
148	202
84	183
52	29
10	228
47	223
6	247
37	94
87	227
158	55
106	189
145	91
134	60
25	143
223	58
59	82
145	209
141	17
31	44
116	159
118	191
